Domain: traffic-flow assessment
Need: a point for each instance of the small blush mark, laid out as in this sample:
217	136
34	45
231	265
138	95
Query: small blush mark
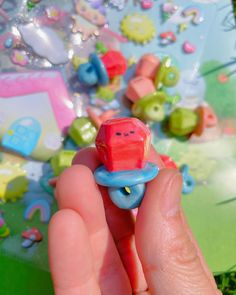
223	78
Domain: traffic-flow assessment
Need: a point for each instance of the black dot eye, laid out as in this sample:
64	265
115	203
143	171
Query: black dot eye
156	109
132	132
118	133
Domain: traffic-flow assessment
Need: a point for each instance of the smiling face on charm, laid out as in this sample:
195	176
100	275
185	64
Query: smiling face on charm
123	144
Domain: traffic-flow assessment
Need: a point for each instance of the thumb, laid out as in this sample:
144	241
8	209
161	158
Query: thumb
171	259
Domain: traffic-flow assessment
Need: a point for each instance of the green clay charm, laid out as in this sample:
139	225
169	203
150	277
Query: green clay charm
168	75
82	131
150	107
183	122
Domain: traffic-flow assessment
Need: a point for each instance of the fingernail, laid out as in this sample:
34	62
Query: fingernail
172	197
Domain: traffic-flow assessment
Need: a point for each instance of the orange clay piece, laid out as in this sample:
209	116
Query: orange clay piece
207	119
98	120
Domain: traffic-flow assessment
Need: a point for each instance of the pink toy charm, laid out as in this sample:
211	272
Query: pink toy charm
148	66
188	47
146	4
123	144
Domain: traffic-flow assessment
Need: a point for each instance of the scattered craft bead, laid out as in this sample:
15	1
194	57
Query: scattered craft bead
182	122
188	47
61	161
82	131
105	93
123	146
148	66
44	183
99	70
43	207
188	180
31	236
167	75
99	119
115	63
206	119
139	87
150	107
138	28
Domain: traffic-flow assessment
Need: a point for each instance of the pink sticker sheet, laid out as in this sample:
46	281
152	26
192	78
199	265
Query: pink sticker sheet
35	112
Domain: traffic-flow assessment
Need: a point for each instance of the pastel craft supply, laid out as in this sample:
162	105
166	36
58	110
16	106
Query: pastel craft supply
196	14
43	112
148	66
189	47
139	87
93	72
168	161
206	119
146	4
168	75
150	107
123	146
44	183
31	236
188	180
101	69
182	122
61	161
38	205
82	131
99	119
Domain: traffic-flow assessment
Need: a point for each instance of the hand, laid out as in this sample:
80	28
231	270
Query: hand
96	248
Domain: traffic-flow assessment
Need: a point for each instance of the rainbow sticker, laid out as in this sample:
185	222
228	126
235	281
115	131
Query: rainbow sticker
196	14
43	207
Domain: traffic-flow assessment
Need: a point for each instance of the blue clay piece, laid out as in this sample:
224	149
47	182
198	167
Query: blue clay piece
125	178
8	43
93	72
87	74
188	180
124	200
103	78
45	185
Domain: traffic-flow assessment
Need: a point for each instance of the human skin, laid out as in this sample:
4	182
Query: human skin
97	248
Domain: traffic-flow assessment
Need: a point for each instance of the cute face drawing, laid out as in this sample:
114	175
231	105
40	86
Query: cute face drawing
123	144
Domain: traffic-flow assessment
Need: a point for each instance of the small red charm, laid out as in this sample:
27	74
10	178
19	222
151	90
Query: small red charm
115	63
207	119
168	162
123	144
